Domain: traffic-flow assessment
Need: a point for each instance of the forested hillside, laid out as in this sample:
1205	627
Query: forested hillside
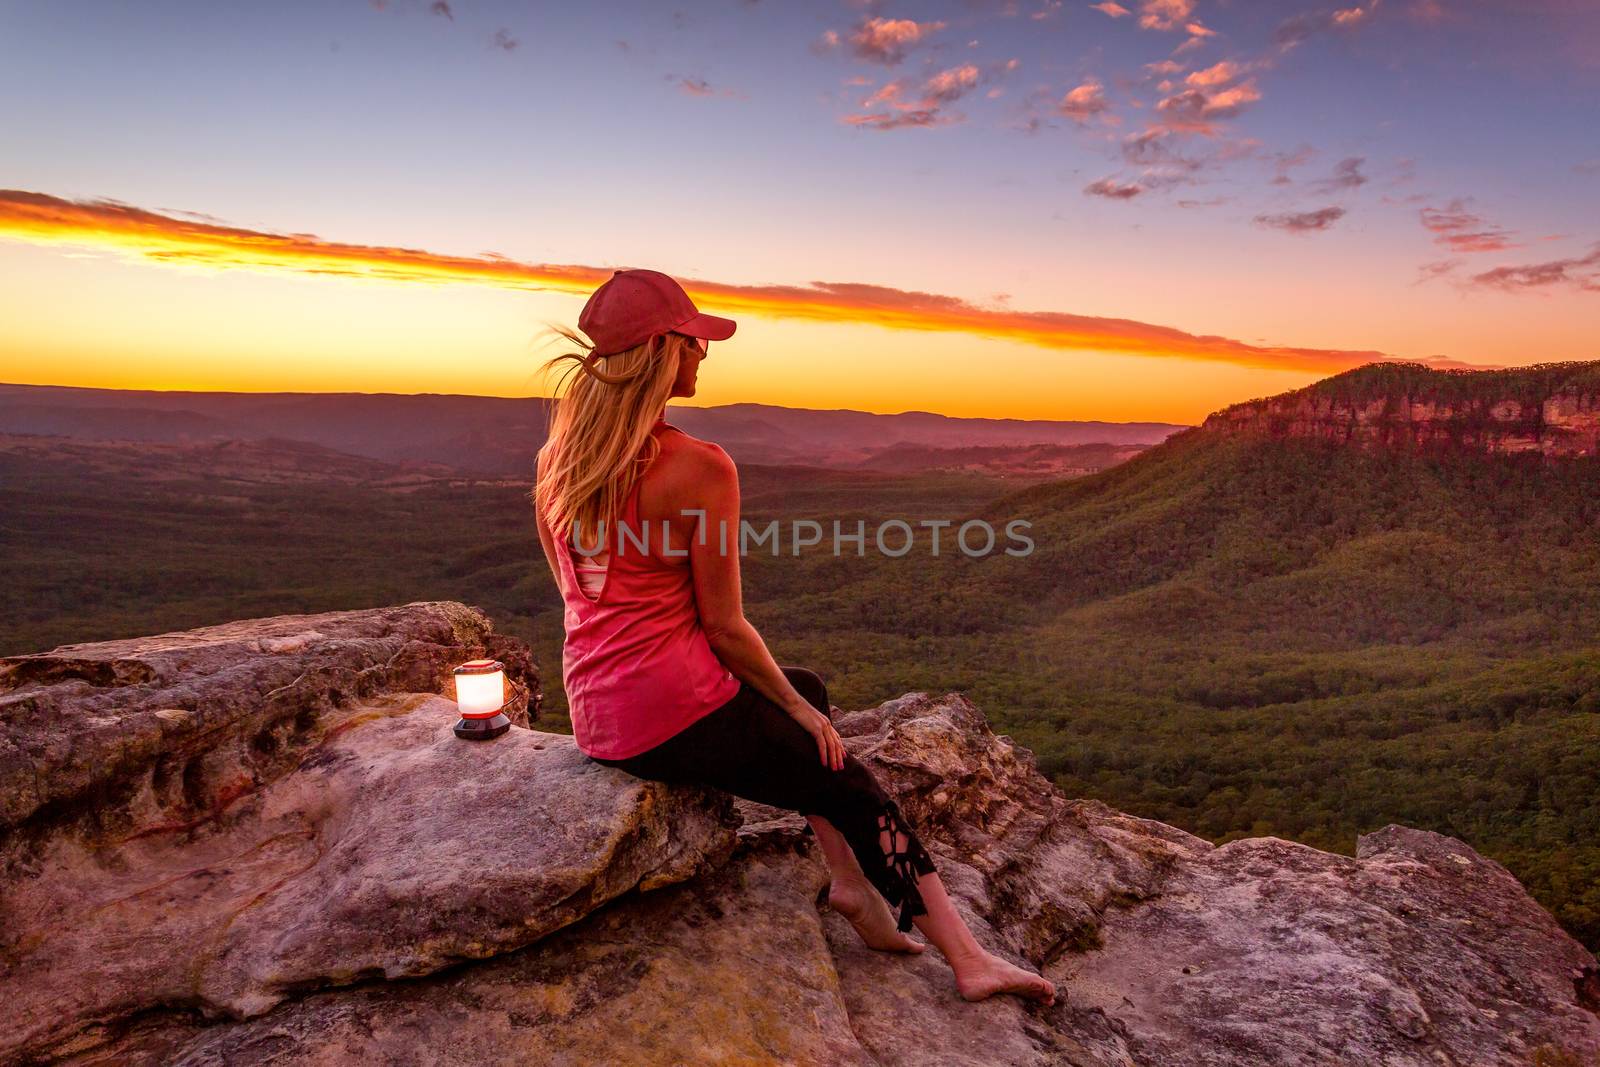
1238	634
1246	636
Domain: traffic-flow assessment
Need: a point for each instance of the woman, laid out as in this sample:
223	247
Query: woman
665	678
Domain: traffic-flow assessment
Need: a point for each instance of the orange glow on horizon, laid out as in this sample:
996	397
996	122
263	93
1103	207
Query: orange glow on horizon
151	237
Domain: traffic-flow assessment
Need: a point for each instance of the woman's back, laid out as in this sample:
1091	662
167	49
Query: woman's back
636	662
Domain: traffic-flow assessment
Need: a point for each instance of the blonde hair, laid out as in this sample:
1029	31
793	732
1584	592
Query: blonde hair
599	441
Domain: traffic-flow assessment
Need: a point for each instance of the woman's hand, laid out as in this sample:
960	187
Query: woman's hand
819	726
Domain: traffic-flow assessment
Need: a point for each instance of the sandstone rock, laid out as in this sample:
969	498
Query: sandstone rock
1165	949
393	850
733	968
151	730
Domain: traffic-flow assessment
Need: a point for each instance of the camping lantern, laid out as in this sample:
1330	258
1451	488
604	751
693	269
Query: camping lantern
480	694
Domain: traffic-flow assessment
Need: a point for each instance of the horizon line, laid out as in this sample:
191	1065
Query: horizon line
692	407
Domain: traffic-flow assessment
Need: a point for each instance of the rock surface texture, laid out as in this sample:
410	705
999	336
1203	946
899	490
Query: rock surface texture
261	843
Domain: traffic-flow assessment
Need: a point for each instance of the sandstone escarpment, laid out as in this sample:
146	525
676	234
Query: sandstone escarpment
383	892
1550	409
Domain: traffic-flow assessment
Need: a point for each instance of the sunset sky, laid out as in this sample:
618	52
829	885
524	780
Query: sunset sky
1132	210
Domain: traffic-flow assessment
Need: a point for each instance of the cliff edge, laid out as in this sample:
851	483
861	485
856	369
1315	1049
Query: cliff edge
1551	409
261	843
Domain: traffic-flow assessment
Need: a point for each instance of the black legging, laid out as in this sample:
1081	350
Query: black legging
752	748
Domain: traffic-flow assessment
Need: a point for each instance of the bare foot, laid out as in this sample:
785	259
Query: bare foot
869	913
987	975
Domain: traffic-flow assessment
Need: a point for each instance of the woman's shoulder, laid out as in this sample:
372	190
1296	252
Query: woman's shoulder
681	449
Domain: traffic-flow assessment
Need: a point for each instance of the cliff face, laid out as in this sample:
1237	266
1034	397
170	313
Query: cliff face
1552	409
261	843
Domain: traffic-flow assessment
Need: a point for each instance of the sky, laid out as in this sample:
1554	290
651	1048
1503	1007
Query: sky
1127	210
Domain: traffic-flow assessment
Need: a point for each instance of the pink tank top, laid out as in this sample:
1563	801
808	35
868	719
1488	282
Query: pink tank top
636	663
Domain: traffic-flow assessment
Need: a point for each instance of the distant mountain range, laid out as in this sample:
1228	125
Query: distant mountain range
499	436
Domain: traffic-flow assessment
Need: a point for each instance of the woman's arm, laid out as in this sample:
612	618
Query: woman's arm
714	485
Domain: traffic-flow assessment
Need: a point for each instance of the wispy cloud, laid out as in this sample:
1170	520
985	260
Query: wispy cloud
149	237
899	120
1113	190
440	7
700	87
1302	221
1112	8
1460	230
1579	272
1299	27
1284	162
502	39
1346	175
906	103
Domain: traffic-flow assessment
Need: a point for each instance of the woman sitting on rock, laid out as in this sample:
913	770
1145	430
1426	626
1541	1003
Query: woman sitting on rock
665	677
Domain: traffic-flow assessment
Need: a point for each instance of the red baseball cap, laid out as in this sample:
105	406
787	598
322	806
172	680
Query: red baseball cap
633	306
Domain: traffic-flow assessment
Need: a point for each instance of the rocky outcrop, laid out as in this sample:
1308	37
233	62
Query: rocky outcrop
150	731
1549	409
395	895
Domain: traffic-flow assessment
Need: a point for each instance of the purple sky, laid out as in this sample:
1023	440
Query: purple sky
1416	177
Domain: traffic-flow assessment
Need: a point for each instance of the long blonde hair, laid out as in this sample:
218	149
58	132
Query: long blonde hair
599	441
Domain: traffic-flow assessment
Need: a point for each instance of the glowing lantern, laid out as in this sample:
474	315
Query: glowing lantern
480	694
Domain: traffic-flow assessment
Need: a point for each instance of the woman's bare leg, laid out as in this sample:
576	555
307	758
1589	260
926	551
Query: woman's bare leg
978	973
853	896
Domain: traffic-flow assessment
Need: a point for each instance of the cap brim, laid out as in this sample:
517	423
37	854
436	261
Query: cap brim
707	327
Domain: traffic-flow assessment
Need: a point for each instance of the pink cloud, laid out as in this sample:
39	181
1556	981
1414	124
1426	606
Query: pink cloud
1193	110
1437	269
1460	230
1303	221
1111	190
1164	14
1112	8
1297	28
1216	74
1084	102
886	41
923	110
884	120
952	84
1346	175
1581	272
